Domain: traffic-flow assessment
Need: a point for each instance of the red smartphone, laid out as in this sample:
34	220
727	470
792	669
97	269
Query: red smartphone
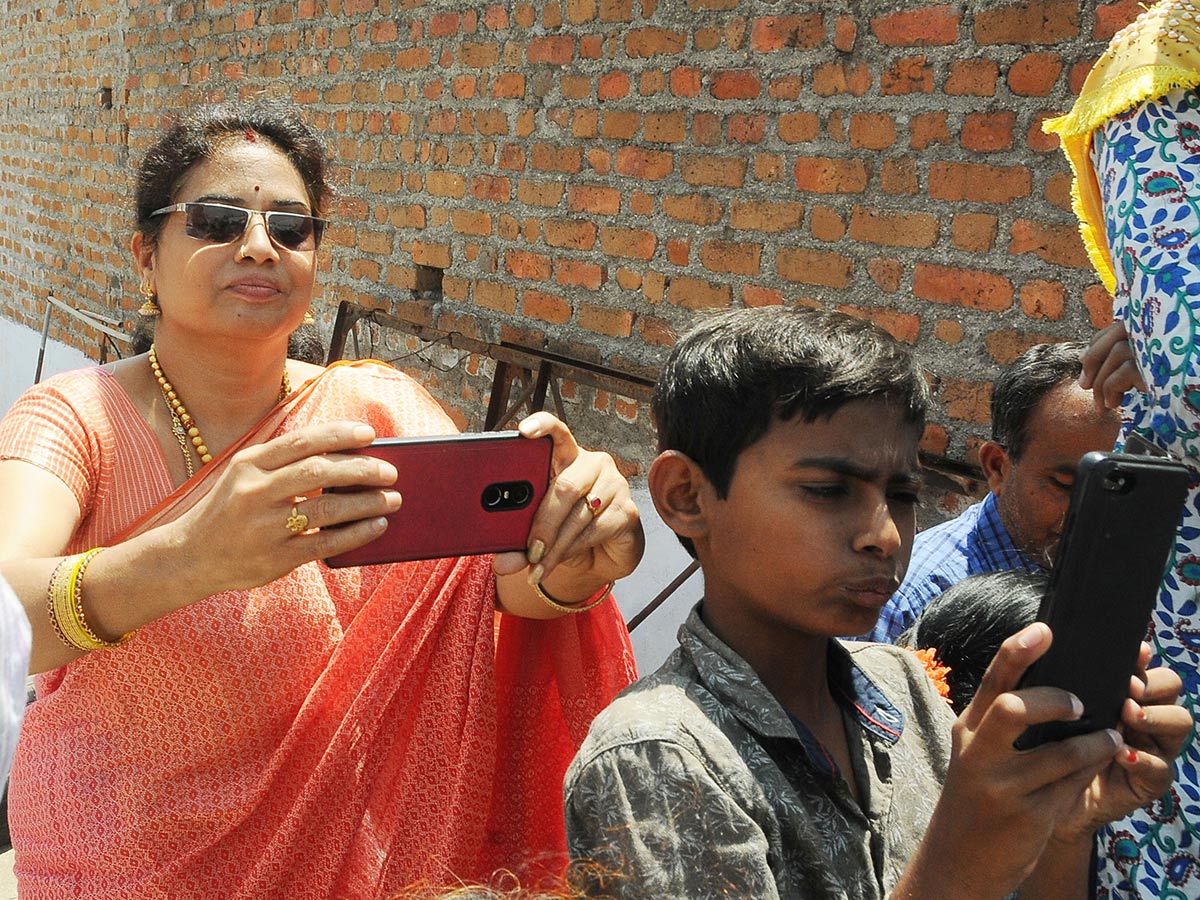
463	494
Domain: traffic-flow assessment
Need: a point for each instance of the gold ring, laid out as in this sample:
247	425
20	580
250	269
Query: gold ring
593	505
297	521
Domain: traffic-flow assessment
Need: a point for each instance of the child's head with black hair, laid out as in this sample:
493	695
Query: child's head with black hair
967	623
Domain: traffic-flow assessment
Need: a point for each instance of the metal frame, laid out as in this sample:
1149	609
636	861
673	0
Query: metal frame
106	325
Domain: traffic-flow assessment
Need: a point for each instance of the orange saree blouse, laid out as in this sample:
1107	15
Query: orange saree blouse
335	733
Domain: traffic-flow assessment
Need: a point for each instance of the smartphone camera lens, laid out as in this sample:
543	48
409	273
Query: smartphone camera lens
520	493
493	496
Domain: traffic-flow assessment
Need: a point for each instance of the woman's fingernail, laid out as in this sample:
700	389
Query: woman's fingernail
535	575
1076	707
1131	755
363	433
1028	637
536	551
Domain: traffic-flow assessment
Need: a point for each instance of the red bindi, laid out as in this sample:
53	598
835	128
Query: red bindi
257	188
251	137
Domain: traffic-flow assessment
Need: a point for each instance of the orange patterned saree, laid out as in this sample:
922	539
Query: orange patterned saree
335	733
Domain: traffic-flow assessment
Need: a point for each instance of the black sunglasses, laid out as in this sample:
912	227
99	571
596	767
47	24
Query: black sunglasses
220	224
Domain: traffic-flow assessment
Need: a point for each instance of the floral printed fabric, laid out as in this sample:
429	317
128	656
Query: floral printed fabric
1147	161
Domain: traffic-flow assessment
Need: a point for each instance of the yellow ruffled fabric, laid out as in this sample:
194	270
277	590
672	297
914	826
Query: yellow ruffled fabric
1156	53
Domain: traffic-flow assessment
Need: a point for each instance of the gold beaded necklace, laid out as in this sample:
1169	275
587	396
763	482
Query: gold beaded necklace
186	431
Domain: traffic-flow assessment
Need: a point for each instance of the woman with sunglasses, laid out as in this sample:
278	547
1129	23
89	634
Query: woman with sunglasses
219	714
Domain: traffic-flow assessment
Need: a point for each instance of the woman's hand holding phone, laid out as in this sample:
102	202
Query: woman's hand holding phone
585	534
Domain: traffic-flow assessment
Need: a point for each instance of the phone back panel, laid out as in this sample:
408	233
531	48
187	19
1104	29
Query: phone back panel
1121	524
444	511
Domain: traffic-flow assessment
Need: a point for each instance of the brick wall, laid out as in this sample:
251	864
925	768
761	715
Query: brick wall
588	175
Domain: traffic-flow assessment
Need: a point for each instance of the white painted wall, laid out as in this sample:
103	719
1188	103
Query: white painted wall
18	360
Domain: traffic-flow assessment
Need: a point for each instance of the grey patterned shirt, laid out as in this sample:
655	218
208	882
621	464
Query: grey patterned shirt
697	783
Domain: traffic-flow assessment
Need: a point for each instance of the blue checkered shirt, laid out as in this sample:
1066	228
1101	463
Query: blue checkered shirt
971	544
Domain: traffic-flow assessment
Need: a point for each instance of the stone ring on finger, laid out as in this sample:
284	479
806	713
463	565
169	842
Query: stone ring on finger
593	504
297	521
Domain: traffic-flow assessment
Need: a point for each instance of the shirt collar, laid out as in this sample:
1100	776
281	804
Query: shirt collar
734	683
996	551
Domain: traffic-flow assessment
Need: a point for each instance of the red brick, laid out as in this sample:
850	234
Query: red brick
580	11
902	326
765	215
679	251
685	81
893	229
1057	244
1035	74
1058	191
972	78
1099	305
1079	73
558	49
928	129
479	56
646	42
819	267
1043	299
830	176
872	131
650	165
692	293
988	132
656	332
928	26
570	233
699	209
841	78
845	33
621	124
962	287
1028	22
491	187
607	321
594	198
1005	345
540	193
798	127
665	128
616	10
523	264
714	171
747	129
900	176
431	254
907	76
1037	139
974	232
787	32
1112	17
577	273
886	273
467	221
731	258
827	225
628	243
978	183
787	87
706	130
754	295
735	84
969	401
613	86
500	297
549	158
948	332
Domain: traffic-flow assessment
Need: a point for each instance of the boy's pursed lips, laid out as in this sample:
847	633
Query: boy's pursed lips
873	591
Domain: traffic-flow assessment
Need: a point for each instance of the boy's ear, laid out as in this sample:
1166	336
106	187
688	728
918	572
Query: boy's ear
676	483
995	462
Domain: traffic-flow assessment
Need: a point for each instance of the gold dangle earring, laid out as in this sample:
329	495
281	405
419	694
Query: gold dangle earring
309	319
149	307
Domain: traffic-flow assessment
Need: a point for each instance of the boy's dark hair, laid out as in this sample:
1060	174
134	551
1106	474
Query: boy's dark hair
736	372
967	624
1023	384
197	136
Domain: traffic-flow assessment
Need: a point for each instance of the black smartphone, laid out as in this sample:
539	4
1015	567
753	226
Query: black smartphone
462	495
1116	541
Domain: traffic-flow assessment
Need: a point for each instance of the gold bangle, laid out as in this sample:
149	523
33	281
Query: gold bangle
583	606
66	591
53	589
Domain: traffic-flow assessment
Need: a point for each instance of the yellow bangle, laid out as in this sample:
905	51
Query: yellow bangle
583	606
66	605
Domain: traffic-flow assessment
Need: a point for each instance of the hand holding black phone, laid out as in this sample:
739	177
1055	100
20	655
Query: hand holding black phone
1116	542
